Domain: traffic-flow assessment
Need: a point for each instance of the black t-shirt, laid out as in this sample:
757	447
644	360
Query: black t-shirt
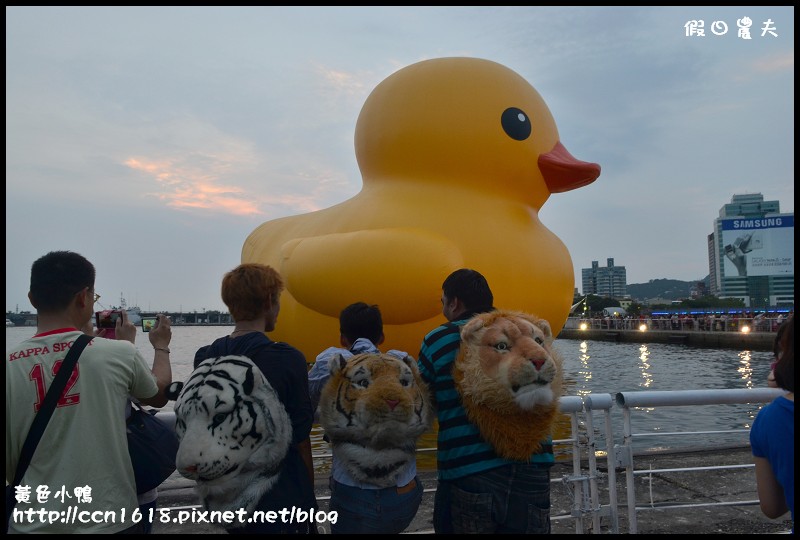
285	369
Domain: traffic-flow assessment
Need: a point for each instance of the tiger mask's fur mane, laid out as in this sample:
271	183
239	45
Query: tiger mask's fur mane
234	432
373	409
509	378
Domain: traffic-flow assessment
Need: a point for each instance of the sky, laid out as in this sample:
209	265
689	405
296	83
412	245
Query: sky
154	140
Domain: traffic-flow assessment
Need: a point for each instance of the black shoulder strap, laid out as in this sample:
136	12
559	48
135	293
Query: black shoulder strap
226	346
49	404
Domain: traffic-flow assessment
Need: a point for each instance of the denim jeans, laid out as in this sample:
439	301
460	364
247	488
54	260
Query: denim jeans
382	511
510	499
145	510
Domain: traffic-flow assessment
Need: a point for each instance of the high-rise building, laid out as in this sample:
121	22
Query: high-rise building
751	253
611	281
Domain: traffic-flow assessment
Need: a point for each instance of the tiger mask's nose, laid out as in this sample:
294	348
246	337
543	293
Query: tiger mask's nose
188	471
392	403
538	363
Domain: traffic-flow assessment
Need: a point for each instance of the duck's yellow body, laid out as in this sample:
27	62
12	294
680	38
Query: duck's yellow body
457	156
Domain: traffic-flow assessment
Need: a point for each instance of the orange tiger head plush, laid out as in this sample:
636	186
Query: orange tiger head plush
373	409
509	378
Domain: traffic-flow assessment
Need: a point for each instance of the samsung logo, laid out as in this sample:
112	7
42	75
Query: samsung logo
757	223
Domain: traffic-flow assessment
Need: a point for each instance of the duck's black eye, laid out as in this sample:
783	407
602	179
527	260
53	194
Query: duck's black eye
516	124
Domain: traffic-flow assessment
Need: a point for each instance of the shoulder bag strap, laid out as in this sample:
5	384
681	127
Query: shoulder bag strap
49	404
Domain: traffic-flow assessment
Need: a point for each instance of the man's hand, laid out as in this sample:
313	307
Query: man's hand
161	334
125	329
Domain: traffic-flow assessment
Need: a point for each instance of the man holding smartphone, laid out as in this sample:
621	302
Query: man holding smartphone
84	449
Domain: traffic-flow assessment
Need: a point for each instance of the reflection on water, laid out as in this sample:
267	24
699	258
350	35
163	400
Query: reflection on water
594	367
584	371
590	367
644	366
609	367
745	369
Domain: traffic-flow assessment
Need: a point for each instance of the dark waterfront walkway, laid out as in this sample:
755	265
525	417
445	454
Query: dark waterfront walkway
754	341
666	489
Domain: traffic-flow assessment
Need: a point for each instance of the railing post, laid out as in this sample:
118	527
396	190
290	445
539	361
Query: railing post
577	503
602	402
627	444
591	448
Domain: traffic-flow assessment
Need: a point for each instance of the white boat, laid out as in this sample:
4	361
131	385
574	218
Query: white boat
9	323
134	313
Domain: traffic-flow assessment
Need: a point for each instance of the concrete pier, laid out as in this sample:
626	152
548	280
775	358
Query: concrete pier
755	341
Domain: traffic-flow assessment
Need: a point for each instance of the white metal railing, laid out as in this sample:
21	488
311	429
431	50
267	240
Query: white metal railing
629	401
700	323
583	444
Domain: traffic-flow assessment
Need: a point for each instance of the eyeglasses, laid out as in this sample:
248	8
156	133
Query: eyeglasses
96	296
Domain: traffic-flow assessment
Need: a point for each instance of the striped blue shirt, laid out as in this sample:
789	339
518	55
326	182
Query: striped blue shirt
461	449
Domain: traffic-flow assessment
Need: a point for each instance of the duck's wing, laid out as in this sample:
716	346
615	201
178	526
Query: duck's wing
400	269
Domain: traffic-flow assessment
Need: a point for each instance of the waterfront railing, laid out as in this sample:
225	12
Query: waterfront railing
633	402
593	506
700	323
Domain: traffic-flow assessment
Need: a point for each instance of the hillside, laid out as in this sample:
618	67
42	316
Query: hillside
669	289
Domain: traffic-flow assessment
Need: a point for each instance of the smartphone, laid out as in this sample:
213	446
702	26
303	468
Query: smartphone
148	323
107	318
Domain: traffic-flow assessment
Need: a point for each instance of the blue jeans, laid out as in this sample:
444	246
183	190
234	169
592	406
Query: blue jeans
509	499
382	511
145	510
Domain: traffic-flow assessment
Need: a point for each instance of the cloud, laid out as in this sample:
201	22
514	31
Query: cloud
777	63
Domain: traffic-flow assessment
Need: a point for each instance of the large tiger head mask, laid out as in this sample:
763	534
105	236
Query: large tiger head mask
509	377
373	409
234	432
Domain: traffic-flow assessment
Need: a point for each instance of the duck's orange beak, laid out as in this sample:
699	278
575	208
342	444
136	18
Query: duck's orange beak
562	172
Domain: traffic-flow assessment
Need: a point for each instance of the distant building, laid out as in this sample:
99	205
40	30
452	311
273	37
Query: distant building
699	290
611	281
751	252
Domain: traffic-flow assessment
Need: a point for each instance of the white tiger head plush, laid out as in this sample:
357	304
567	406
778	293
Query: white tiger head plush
233	430
509	377
373	409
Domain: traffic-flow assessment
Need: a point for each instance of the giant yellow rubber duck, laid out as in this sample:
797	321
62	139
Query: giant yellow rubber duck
457	156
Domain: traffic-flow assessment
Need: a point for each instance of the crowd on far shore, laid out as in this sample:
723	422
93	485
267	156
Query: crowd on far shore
708	322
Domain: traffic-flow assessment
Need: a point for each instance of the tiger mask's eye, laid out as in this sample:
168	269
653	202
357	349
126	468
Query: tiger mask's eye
218	419
501	346
361	382
406	380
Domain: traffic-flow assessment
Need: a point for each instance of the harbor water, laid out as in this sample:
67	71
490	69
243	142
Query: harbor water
590	367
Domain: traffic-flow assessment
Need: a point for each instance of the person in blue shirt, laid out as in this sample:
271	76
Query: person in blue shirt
772	436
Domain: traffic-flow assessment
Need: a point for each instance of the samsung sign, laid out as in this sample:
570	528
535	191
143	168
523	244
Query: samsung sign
758	223
758	246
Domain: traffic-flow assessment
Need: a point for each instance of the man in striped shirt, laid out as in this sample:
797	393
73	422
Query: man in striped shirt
478	491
